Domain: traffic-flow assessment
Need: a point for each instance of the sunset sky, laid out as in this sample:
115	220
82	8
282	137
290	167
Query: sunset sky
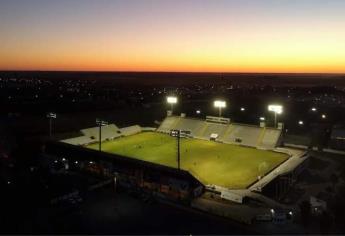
174	35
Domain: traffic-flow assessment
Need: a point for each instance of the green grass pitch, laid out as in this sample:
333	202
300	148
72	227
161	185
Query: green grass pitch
224	165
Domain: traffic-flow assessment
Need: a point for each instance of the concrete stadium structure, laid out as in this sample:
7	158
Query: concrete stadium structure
233	133
267	189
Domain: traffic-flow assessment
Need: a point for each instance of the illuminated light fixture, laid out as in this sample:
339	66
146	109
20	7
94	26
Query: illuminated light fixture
243	109
277	110
313	109
262	118
198	111
323	116
63	159
172	100
219	104
51	116
300	122
100	123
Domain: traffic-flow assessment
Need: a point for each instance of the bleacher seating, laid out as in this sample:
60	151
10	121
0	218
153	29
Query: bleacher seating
168	124
108	132
270	138
191	125
212	128
240	134
244	135
130	130
82	140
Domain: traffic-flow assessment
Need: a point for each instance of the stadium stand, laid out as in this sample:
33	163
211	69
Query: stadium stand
240	134
108	132
191	125
168	124
213	128
130	130
243	135
270	138
82	140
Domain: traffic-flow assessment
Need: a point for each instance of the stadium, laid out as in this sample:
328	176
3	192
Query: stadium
237	161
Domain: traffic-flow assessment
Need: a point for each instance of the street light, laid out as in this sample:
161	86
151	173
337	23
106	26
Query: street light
51	116
243	109
300	122
314	109
172	100
100	123
262	118
323	116
276	109
219	104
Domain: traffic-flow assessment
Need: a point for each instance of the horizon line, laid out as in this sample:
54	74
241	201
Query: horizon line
188	72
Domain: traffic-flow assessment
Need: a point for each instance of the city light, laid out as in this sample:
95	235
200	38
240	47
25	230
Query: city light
300	122
243	109
197	111
262	118
323	116
313	109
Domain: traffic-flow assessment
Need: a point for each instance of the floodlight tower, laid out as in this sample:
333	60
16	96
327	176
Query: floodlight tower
219	104
51	116
277	110
179	134
172	100
100	123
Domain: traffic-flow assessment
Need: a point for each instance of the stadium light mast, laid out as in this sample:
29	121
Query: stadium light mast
179	134
219	104
277	110
100	123
172	100
51	116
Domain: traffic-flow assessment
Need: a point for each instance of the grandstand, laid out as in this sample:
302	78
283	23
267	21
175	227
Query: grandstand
270	138
130	130
78	140
110	131
233	133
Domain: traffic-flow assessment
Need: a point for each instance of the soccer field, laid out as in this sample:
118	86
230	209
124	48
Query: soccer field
225	165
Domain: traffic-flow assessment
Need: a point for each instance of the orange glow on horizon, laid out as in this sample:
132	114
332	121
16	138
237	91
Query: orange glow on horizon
240	38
